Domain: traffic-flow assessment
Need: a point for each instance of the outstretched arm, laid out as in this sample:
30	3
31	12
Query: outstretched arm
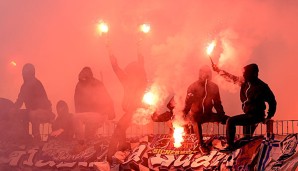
140	59
229	77
118	71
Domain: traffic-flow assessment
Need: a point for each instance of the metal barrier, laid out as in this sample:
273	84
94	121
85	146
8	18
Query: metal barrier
278	127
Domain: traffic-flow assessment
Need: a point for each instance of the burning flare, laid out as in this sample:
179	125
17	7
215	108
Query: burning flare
145	28
178	135
150	98
142	116
102	27
210	47
13	63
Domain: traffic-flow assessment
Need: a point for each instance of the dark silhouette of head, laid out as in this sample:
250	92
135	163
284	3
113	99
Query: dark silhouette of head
28	72
205	73
62	107
86	74
251	72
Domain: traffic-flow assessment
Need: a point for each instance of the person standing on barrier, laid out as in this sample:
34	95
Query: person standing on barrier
134	81
202	96
254	93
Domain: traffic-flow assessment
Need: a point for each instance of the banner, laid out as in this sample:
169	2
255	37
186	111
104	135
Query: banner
279	153
154	152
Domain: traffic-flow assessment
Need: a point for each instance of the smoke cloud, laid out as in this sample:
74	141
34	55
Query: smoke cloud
60	38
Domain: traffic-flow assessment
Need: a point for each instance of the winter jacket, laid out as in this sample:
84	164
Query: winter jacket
253	95
202	97
33	95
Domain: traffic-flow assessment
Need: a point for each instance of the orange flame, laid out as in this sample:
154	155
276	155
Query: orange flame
178	135
102	27
13	63
210	47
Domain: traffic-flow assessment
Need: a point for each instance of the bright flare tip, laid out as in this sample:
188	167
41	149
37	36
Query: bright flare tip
211	47
145	28
102	27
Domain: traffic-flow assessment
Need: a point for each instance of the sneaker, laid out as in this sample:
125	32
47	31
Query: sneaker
203	150
227	149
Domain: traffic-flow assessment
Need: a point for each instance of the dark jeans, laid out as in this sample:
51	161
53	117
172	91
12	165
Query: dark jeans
249	122
210	117
118	138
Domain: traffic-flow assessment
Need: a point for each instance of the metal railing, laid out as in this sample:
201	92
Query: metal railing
279	127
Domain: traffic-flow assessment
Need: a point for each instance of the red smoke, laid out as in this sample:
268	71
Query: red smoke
59	38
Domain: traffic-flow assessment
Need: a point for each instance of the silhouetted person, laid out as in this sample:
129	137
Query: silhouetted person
63	125
202	96
93	105
13	123
134	81
34	96
253	95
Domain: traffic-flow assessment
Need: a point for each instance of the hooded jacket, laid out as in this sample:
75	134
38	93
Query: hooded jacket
92	96
202	97
254	92
253	96
32	92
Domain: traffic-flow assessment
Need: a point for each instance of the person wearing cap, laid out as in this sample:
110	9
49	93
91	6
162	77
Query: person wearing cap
254	94
202	96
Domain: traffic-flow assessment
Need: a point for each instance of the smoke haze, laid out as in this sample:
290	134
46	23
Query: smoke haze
60	38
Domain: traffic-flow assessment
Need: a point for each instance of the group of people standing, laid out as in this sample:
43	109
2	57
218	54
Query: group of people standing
93	104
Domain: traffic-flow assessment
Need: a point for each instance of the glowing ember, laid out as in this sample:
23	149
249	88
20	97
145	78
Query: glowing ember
145	28
102	27
13	63
149	98
211	47
178	135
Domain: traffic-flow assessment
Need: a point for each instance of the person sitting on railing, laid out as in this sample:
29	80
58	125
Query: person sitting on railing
202	96
34	96
253	95
93	107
